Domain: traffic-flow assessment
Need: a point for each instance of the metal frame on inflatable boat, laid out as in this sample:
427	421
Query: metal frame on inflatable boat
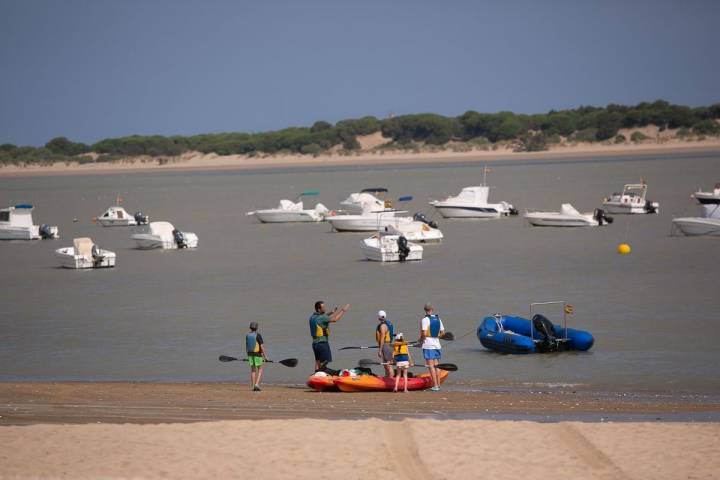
565	310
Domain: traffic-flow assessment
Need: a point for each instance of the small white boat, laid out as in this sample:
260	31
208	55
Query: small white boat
356	203
708	198
631	200
706	224
415	230
385	247
289	211
568	217
368	221
472	202
16	223
117	216
85	254
164	235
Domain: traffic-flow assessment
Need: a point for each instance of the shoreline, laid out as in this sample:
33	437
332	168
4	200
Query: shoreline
194	161
28	403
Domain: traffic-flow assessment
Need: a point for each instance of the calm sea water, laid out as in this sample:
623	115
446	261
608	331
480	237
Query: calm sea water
167	315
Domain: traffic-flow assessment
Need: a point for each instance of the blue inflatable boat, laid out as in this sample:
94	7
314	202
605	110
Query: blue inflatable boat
508	334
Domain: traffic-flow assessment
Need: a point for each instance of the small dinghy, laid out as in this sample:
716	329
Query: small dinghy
631	200
85	254
511	334
387	247
164	235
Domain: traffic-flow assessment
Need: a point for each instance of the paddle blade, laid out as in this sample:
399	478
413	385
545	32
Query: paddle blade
289	362
225	358
349	348
450	367
365	362
448	336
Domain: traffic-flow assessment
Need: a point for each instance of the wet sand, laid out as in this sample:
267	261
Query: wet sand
142	430
134	402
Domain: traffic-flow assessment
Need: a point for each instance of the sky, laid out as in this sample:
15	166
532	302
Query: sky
94	69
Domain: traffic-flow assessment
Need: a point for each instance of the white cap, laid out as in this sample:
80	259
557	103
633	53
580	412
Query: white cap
398	336
382	314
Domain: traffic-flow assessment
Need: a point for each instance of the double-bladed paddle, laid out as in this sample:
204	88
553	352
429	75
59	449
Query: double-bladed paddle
450	367
288	362
447	336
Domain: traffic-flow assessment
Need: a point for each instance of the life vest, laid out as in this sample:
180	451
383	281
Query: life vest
317	330
252	346
433	329
400	351
389	334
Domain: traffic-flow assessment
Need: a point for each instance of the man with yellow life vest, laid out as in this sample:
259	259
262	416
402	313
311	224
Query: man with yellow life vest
255	355
320	332
402	359
431	329
383	335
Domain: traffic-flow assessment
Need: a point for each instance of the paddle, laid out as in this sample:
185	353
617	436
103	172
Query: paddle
288	362
450	367
447	336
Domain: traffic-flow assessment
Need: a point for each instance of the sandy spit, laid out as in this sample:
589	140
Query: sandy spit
198	161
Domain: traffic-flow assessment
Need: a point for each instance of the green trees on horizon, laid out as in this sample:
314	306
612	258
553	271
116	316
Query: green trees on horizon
528	132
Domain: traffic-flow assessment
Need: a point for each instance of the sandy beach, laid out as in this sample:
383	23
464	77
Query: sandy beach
144	430
195	161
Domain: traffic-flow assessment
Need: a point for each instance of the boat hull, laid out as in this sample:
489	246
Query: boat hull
19	233
371	383
548	220
270	216
515	337
459	211
145	241
630	208
117	222
387	250
361	223
697	226
68	259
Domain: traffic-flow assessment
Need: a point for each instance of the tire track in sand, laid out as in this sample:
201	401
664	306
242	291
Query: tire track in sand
404	451
602	465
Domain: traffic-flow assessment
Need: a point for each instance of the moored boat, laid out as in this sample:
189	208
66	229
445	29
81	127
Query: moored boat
117	216
85	254
568	216
16	223
164	235
288	211
387	247
632	200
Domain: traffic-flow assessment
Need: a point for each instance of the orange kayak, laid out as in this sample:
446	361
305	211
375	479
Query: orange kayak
371	383
322	383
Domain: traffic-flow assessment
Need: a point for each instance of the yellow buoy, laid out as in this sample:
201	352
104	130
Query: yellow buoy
623	249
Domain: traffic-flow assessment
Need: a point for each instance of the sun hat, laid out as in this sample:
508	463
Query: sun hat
398	336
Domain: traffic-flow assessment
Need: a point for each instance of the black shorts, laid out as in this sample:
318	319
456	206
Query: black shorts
322	352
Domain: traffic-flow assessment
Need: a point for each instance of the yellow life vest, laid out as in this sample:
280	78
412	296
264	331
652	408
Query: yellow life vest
400	348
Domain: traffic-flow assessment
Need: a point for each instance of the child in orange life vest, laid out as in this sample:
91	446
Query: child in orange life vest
402	360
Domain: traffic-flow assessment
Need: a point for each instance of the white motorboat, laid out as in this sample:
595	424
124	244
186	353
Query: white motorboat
117	216
85	254
707	224
289	211
632	199
708	198
568	217
385	247
16	223
472	202
368	221
356	203
164	235
416	229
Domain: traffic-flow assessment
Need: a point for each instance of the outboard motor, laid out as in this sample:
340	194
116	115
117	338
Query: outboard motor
46	231
403	249
179	238
602	218
421	217
546	333
649	207
141	218
97	257
513	211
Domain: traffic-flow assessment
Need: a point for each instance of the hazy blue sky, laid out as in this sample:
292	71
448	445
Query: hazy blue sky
105	68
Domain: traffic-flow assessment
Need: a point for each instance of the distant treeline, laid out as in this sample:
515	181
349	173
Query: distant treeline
525	132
